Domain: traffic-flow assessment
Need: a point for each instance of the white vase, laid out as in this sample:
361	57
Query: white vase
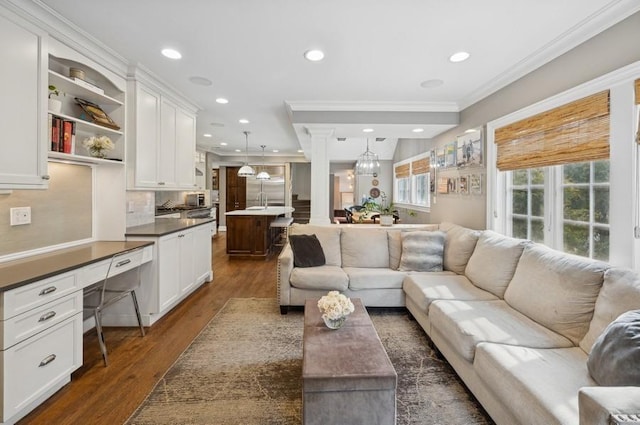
55	106
386	220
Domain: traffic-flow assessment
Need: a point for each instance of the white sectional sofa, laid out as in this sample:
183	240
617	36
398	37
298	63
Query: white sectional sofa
516	320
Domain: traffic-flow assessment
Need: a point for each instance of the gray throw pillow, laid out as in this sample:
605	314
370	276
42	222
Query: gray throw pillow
307	251
615	356
422	251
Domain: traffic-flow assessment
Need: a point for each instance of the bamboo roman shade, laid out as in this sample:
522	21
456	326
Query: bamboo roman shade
637	92
402	171
421	166
575	132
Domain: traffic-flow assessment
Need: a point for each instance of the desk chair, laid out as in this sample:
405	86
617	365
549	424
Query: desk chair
115	286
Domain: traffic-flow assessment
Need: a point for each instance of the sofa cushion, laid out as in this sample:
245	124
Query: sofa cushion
458	246
424	288
620	292
422	251
465	324
362	247
555	289
374	278
322	277
307	251
538	386
329	237
494	261
615	355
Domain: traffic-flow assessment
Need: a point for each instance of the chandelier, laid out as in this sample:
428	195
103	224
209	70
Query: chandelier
367	163
246	170
263	175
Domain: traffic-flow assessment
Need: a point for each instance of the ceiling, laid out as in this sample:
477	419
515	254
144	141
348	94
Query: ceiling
377	54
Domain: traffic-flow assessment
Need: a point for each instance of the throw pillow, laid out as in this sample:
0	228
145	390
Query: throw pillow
422	251
615	355
307	251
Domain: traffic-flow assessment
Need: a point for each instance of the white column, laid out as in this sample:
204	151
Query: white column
320	175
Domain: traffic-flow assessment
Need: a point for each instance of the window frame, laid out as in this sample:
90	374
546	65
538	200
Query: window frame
412	202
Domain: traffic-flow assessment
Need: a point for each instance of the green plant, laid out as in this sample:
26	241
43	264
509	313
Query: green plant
383	208
53	90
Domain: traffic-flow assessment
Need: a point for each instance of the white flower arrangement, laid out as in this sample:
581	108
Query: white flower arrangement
335	305
98	143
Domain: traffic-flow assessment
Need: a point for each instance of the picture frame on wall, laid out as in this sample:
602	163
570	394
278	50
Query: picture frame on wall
452	184
469	150
450	154
443	185
475	184
440	157
463	185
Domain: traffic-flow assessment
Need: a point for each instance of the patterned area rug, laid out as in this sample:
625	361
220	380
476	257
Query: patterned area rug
245	368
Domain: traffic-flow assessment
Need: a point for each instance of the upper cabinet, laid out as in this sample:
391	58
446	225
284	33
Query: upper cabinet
162	137
23	111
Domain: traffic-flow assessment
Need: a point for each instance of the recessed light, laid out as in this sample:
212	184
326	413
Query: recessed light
367	130
223	143
314	55
429	84
200	81
216	124
300	151
459	57
470	130
238	150
275	151
207	135
243	121
418	130
222	100
171	53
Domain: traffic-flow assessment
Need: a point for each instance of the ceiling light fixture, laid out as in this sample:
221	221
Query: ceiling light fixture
314	55
238	150
275	151
246	170
222	101
430	84
207	135
200	81
367	130
470	130
459	57
243	121
418	130
223	143
300	151
263	175
367	163
171	53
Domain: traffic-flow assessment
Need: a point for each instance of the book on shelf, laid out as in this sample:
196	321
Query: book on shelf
56	125
68	136
62	134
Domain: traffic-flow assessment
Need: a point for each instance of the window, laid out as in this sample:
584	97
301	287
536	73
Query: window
527	204
412	181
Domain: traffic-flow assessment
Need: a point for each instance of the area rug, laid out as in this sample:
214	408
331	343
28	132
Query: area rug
245	368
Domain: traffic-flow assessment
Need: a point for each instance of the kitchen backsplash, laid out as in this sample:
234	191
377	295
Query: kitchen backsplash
141	208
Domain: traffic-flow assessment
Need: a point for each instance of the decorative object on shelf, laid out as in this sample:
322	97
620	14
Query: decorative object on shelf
388	213
263	175
76	73
97	145
374	192
335	307
55	105
246	170
96	114
368	163
375	182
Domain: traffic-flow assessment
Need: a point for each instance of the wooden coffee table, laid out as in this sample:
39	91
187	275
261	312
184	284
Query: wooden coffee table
347	377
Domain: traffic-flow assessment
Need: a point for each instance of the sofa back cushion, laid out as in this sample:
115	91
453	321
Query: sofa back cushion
364	247
620	293
555	289
458	246
494	261
422	251
329	237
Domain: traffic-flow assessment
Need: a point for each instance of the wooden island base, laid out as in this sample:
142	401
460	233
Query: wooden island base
249	233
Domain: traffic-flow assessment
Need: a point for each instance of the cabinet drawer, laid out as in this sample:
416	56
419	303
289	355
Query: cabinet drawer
21	327
38	364
27	297
98	271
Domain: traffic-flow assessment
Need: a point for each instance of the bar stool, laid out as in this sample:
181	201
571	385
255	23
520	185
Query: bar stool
115	286
281	226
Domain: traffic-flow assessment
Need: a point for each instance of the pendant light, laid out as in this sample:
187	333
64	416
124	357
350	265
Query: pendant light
246	170
263	175
367	163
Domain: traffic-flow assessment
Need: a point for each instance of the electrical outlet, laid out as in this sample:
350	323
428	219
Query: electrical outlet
20	215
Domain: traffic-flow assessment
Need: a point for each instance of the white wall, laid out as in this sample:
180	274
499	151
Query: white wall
301	180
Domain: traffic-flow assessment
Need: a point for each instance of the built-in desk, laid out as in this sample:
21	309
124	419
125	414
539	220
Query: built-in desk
41	319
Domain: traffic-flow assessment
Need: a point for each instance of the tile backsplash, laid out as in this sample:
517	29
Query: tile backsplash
141	208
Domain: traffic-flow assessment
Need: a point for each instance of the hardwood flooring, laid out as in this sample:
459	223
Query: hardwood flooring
108	395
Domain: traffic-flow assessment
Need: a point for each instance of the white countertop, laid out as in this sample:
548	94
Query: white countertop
262	211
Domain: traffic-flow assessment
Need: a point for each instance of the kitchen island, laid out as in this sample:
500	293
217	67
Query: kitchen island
249	233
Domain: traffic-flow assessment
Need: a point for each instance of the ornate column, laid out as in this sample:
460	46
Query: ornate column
320	175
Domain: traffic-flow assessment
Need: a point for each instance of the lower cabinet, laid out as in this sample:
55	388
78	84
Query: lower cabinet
248	235
181	263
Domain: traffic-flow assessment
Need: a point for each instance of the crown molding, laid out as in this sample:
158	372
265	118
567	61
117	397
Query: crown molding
599	21
365	106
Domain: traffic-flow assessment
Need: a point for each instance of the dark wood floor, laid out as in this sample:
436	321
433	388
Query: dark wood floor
108	395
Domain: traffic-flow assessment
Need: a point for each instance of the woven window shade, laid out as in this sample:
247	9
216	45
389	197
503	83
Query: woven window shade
402	171
575	132
637	92
420	166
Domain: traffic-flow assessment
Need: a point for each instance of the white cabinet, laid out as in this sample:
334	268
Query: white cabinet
24	105
162	141
181	263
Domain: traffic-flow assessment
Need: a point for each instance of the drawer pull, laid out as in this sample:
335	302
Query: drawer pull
47	316
123	262
47	360
48	290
